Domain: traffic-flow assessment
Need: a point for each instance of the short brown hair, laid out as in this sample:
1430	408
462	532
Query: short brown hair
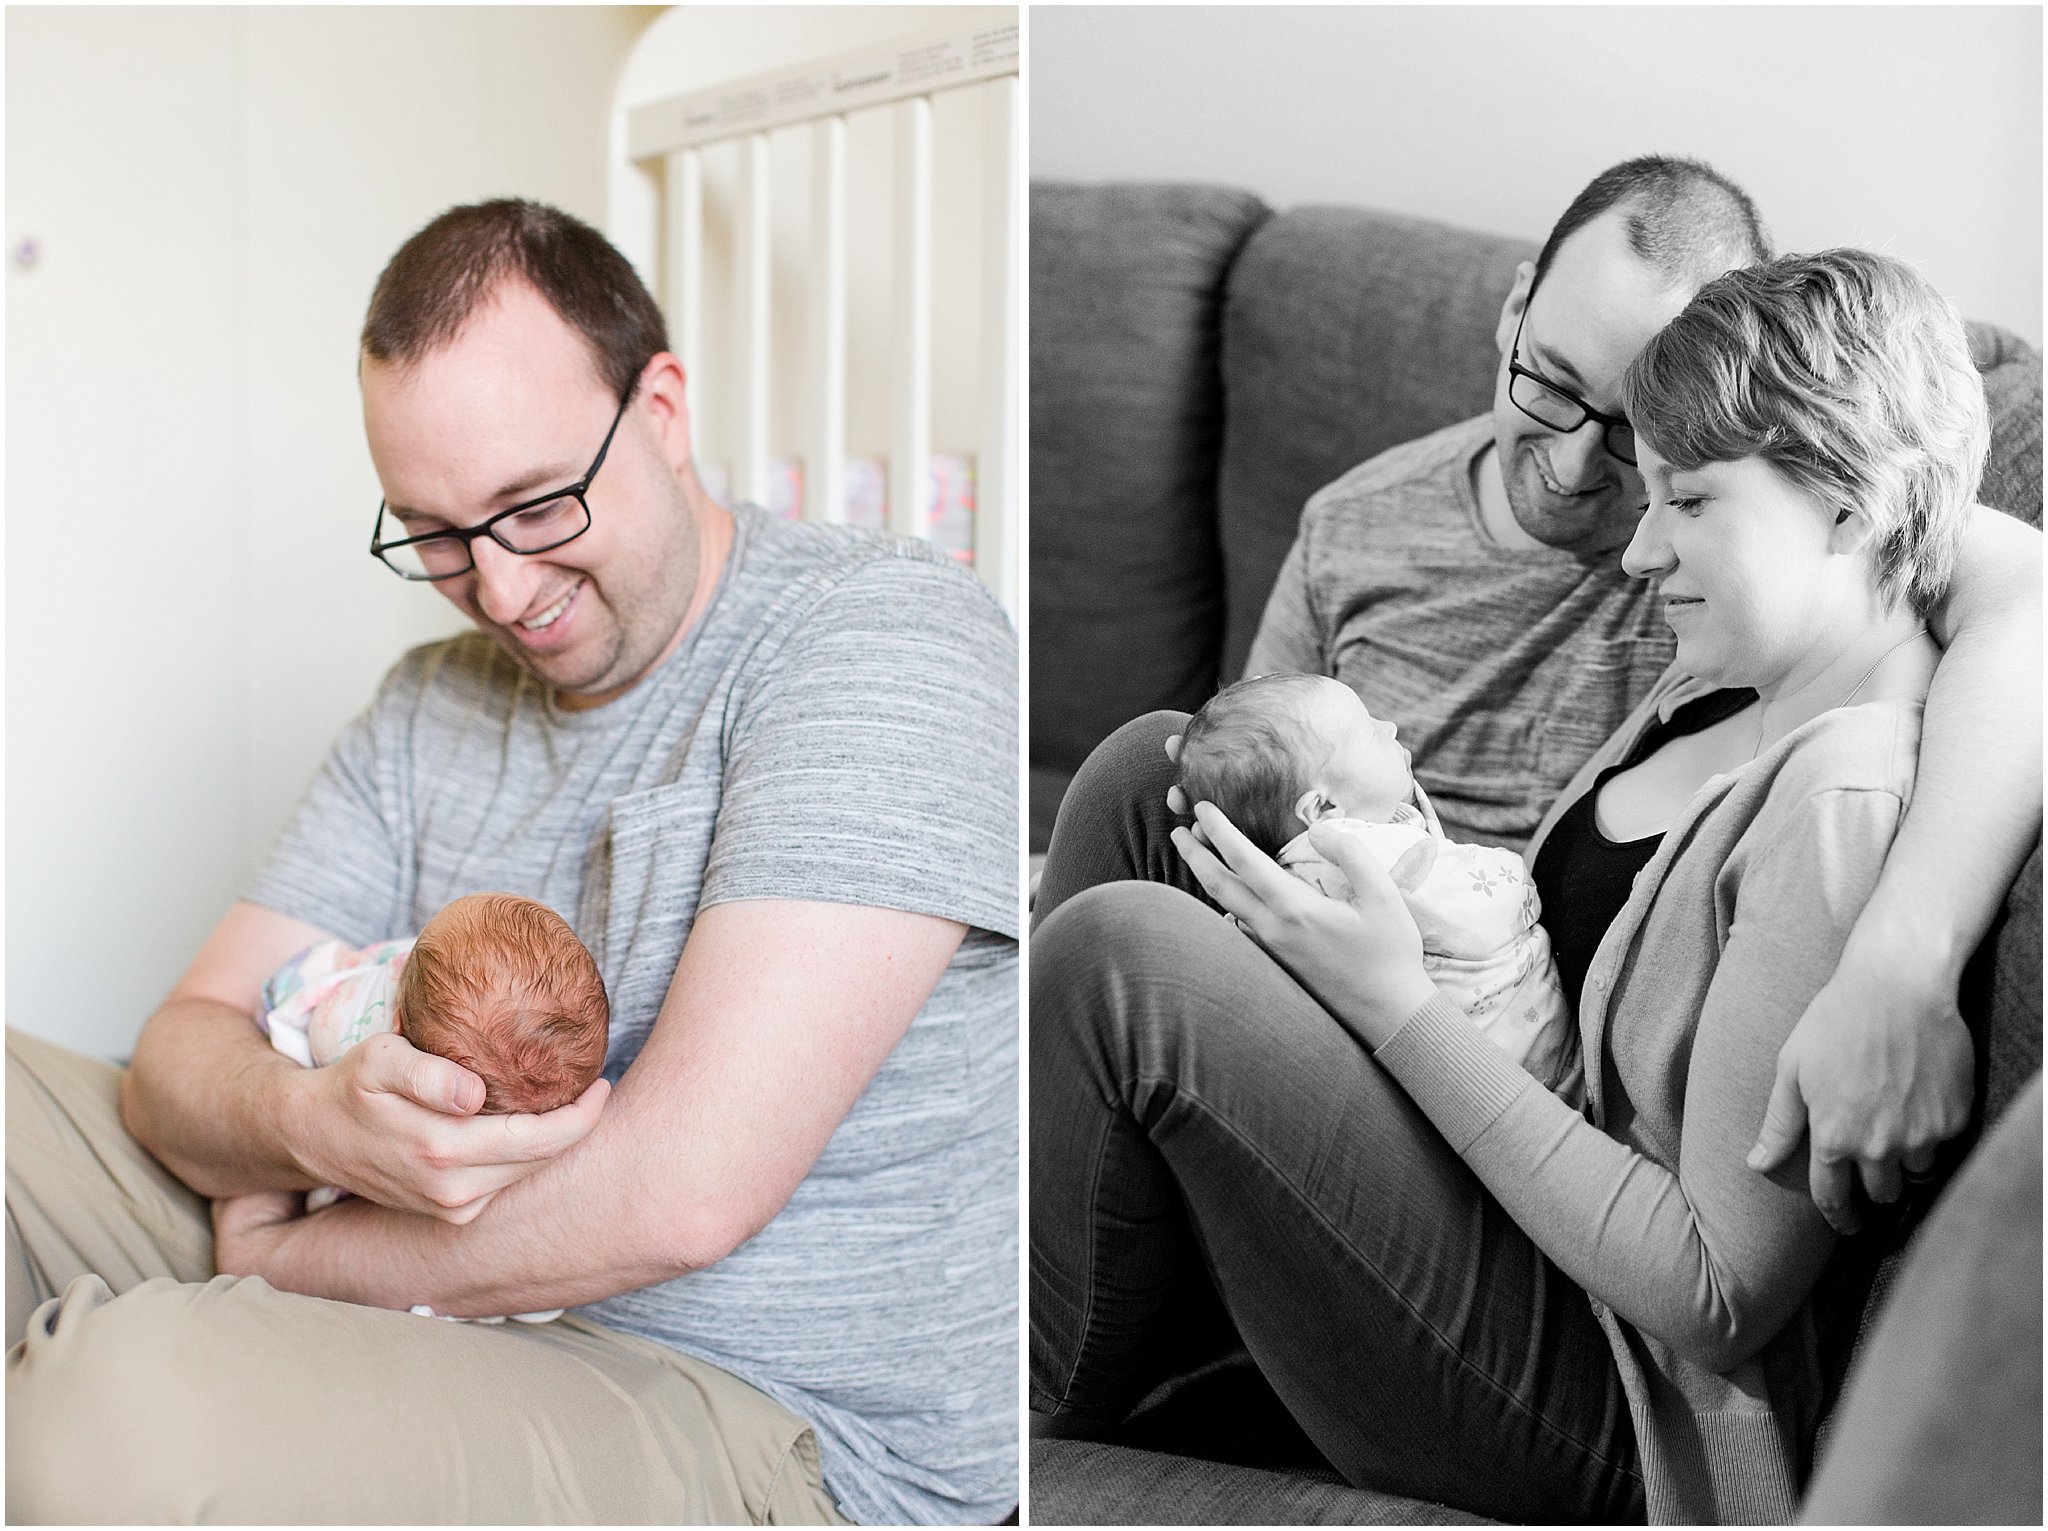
501	985
1848	373
448	270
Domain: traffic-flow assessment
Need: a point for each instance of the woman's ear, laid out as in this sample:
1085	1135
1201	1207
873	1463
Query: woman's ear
1313	805
1851	533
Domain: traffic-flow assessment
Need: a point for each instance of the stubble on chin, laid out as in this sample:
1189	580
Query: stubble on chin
593	665
1588	529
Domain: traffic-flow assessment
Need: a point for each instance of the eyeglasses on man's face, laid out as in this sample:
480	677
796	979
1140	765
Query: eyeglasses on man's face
532	526
1559	408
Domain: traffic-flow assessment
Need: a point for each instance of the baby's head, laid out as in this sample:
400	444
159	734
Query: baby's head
501	985
1278	752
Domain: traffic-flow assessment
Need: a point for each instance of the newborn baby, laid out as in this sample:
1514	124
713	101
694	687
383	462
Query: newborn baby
1278	753
494	982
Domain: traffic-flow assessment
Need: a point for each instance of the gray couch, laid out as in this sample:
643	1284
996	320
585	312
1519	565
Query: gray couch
1199	366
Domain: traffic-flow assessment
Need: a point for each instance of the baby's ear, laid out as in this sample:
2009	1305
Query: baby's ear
1313	805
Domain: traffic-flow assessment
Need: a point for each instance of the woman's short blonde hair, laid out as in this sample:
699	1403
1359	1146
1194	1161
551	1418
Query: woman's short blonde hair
1852	376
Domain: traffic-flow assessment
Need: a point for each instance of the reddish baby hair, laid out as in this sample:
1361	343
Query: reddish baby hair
501	985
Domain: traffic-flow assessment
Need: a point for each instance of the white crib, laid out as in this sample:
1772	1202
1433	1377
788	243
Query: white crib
850	191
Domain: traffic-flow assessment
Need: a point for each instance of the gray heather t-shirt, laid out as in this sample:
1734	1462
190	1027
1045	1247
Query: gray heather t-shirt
840	726
1504	668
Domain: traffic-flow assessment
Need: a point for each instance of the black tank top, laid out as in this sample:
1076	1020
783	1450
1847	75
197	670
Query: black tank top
1582	876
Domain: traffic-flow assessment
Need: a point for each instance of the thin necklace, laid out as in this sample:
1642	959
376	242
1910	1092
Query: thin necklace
1763	708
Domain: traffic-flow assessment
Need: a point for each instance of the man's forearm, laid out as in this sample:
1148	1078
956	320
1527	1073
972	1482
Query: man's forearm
504	1262
572	1233
1975	816
206	1093
1976	809
752	1065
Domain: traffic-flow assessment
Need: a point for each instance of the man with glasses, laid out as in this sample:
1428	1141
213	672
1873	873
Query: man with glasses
1470	585
766	770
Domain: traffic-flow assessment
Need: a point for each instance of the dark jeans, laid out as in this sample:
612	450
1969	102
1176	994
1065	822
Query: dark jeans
1197	1118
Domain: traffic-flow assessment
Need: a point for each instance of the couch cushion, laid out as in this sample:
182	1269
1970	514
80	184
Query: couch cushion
1126	411
1093	1483
1345	332
2012	390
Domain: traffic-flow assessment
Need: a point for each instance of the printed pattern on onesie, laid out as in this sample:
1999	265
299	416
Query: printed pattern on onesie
1477	910
331	996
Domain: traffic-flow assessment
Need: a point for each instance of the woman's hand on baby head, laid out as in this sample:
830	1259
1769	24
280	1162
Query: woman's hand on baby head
1361	957
399	1126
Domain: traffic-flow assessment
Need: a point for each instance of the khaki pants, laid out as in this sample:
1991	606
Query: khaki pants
148	1389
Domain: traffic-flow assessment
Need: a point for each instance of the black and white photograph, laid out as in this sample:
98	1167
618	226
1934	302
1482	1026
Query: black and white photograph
1535	738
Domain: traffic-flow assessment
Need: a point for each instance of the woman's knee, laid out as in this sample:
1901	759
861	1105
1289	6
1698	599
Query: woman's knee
1122	775
1135	748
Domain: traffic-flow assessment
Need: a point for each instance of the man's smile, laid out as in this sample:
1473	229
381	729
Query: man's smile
548	627
1543	474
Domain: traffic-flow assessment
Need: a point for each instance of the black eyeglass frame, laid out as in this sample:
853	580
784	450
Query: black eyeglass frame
1608	423
467	535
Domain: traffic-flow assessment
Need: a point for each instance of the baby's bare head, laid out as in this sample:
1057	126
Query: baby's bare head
501	985
1277	752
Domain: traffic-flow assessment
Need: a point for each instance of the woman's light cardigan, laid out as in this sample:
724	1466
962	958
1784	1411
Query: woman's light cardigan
1699	1269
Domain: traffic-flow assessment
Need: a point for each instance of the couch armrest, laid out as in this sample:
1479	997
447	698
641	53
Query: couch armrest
1941	1423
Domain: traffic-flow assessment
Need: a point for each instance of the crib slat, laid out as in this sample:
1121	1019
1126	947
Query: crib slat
751	271
996	490
910	446
683	196
730	307
825	463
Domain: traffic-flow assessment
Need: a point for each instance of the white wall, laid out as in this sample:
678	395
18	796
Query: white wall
191	610
1911	129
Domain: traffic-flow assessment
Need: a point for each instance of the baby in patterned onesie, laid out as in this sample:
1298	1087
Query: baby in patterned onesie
1278	753
495	982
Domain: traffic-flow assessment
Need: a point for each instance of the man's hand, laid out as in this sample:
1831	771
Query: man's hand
398	1127
1878	1073
248	1228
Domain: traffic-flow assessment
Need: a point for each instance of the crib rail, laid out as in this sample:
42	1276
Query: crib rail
962	493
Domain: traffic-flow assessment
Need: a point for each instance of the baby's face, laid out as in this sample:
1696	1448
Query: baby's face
1368	775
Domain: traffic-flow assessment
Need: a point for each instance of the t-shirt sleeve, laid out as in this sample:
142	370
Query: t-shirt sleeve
340	863
1289	637
871	757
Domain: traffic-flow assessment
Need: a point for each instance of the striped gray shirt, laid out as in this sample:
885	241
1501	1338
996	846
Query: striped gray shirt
840	726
